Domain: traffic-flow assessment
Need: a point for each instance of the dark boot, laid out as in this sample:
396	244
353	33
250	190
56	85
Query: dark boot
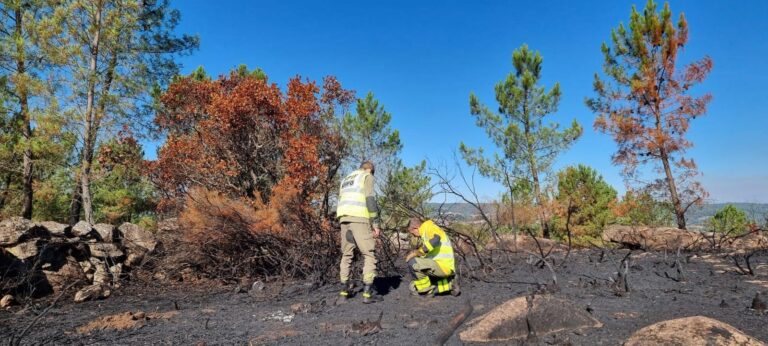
346	292
455	289
370	297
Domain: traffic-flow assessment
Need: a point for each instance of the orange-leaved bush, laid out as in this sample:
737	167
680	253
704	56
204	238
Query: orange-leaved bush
249	168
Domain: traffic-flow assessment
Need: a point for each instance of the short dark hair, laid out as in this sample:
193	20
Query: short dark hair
415	222
368	165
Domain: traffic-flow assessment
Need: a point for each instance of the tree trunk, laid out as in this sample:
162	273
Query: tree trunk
76	205
670	178
89	137
539	202
679	211
6	188
26	129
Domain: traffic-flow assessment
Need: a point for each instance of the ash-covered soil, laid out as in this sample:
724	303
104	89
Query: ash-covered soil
303	315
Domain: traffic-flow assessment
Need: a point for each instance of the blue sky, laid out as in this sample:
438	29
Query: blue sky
422	59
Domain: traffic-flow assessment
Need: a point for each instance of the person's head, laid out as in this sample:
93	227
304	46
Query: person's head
413	226
368	166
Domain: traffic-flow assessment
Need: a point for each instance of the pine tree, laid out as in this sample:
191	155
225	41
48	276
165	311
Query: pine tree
369	136
646	106
29	33
527	145
124	49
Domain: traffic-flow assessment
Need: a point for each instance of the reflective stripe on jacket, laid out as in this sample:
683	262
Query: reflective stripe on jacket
437	246
352	199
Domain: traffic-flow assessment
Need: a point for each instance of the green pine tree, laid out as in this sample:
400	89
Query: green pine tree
587	199
369	136
123	49
526	145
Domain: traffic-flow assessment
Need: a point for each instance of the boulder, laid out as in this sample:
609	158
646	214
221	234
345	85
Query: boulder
695	330
522	243
105	250
135	238
538	315
13	229
752	241
105	231
26	249
54	228
82	229
654	238
91	292
59	275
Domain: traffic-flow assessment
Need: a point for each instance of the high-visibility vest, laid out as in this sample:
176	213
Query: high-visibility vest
352	196
443	253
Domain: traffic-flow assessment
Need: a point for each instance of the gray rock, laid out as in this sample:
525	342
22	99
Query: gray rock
6	301
25	250
81	229
694	330
520	317
257	286
133	259
134	236
101	276
13	229
106	232
54	228
116	270
89	293
59	275
87	267
105	250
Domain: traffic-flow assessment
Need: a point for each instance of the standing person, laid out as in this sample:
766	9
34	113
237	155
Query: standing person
358	215
433	261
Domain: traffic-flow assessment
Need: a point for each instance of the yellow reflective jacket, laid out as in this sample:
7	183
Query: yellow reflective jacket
352	199
437	246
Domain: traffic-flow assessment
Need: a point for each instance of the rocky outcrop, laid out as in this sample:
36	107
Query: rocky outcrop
521	317
523	243
56	255
137	238
82	229
105	231
54	228
666	238
696	330
13	229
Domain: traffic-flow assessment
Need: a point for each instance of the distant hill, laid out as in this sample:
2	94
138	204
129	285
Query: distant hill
696	215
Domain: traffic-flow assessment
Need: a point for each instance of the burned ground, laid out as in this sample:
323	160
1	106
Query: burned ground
710	285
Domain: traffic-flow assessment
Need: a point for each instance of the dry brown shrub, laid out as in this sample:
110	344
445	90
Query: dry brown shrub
229	238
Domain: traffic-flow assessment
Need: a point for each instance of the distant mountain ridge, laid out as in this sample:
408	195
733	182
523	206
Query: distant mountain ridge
696	215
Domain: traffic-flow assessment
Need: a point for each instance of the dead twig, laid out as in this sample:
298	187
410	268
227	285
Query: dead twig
15	341
455	323
621	283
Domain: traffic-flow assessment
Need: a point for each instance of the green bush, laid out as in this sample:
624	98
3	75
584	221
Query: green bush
729	220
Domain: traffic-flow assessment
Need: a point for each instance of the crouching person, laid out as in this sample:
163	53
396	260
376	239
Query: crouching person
432	265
